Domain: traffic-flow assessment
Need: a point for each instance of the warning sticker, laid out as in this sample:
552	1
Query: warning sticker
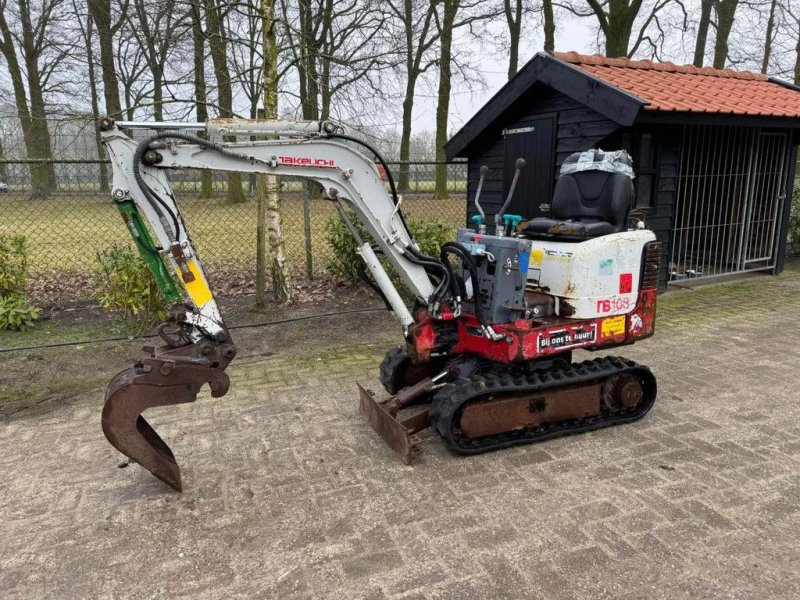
567	337
613	326
625	283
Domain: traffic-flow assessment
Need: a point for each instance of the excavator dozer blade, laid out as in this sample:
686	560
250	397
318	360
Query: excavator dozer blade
153	382
382	417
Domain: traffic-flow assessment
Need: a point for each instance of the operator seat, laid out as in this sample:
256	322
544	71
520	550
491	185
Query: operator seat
593	197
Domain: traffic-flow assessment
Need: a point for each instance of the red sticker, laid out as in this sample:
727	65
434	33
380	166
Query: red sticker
625	283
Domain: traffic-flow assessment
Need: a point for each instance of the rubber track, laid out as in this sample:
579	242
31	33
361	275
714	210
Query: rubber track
448	402
390	363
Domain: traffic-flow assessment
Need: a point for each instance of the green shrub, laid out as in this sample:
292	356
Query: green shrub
15	311
429	234
794	218
124	285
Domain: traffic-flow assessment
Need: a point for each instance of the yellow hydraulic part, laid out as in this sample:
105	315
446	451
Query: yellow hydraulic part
196	286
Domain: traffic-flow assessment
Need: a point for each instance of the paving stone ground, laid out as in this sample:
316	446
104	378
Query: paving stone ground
289	495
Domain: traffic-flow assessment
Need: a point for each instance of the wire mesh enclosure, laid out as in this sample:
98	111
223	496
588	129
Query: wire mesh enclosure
730	198
67	229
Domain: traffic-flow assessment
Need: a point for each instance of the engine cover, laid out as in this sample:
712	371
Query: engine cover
598	277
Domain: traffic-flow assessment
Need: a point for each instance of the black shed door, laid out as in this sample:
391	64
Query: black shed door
533	140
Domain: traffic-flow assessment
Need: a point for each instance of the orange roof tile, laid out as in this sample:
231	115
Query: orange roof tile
686	88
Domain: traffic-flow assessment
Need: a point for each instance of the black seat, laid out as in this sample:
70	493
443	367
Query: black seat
586	204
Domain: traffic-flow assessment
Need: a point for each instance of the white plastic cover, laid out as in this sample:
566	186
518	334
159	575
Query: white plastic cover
616	161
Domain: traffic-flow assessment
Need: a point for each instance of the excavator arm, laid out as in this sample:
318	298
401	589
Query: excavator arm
197	345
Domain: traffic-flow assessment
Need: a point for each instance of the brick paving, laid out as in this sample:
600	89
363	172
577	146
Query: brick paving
289	495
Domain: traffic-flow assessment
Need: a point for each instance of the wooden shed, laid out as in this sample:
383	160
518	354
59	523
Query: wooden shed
714	151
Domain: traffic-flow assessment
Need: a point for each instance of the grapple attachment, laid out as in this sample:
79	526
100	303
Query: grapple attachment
162	376
400	436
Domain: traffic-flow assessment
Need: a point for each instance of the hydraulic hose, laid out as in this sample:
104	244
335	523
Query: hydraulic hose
430	263
455	286
473	271
389	177
152	198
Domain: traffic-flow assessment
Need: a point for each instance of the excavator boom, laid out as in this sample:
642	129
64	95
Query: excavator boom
198	346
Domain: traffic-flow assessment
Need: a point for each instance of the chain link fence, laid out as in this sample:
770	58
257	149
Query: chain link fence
78	220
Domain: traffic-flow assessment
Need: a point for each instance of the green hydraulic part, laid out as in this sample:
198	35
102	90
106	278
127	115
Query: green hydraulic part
148	250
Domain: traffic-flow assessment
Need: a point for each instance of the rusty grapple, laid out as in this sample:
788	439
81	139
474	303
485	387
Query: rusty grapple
166	375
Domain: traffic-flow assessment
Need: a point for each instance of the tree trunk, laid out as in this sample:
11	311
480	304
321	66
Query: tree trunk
414	53
702	33
549	26
98	141
101	14
768	40
15	72
443	101
158	94
43	176
3	170
218	45
405	135
200	95
43	171
797	60
726	12
514	21
309	51
307	73
618	39
267	185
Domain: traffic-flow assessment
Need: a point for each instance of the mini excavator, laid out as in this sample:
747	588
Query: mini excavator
494	320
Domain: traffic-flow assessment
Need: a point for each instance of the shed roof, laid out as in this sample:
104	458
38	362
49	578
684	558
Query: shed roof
686	88
623	90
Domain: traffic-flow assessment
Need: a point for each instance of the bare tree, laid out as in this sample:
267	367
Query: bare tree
451	16
268	186
419	34
726	13
3	170
512	9
792	17
157	26
247	59
702	32
31	32
445	24
130	72
199	81
549	26
107	28
770	33
218	44
340	49
618	19
86	25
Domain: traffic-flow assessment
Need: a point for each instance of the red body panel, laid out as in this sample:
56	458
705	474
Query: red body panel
531	339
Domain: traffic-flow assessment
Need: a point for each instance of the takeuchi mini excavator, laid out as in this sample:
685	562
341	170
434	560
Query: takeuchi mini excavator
495	318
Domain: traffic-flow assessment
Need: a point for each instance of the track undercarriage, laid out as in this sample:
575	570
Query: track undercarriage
478	406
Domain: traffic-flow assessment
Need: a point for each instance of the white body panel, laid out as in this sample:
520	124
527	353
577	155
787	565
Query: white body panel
595	278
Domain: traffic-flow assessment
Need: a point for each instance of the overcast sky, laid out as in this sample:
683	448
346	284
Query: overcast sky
575	35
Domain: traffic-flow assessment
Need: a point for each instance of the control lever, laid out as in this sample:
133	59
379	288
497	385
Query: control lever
510	223
498	218
480	226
